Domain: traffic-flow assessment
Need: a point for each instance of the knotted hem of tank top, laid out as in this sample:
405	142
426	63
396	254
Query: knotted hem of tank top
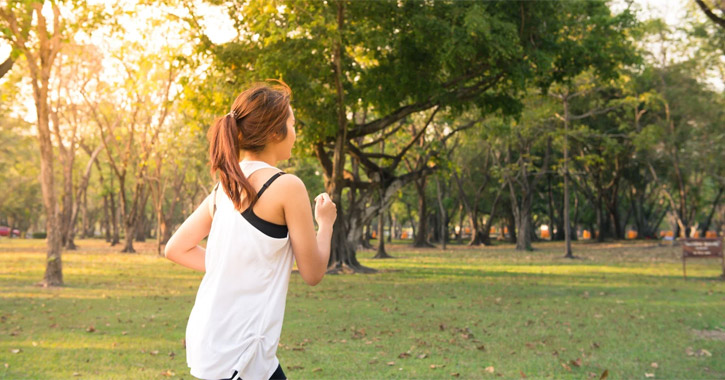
249	353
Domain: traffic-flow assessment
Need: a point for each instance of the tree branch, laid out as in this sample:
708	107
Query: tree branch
718	20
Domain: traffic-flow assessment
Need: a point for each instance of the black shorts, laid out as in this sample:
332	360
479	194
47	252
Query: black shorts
277	375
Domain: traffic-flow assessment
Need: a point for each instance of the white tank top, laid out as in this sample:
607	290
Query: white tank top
236	321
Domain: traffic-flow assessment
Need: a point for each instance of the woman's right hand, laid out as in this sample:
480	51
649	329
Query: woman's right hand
325	210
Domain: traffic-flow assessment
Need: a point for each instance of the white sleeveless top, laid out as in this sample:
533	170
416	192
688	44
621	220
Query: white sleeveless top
236	320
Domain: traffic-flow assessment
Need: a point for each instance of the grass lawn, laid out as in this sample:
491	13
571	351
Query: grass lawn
427	314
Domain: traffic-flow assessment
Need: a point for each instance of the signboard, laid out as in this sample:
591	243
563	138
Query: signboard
702	248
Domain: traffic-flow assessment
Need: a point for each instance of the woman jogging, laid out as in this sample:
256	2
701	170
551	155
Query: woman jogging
258	224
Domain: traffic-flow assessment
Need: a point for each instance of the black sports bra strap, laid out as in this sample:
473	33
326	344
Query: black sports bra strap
269	182
214	198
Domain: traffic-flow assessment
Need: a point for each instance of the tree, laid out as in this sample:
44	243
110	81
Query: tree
346	55
709	10
40	53
523	152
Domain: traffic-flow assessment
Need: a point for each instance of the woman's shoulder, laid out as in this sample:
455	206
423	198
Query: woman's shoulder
290	182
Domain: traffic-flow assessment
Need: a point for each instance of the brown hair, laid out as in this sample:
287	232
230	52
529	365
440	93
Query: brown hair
256	115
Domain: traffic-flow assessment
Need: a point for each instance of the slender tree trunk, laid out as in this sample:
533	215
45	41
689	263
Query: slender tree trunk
410	219
421	238
365	242
381	254
523	225
567	225
116	236
461	215
85	223
392	226
142	219
715	202
600	221
443	215
107	217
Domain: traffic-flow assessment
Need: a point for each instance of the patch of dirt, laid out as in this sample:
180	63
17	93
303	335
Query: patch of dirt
710	334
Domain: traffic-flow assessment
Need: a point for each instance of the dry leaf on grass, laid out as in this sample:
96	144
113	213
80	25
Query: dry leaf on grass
490	369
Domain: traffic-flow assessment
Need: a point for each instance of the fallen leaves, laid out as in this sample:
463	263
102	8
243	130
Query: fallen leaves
490	369
701	352
90	329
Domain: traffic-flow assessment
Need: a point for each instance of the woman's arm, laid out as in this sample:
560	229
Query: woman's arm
183	246
311	251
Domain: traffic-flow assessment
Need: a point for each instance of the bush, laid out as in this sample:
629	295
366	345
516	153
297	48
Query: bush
39	235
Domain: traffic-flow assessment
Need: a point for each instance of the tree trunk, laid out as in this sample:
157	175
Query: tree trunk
523	225
130	233
142	220
600	221
381	254
116	237
107	217
85	223
392	226
461	215
53	269
567	225
443	215
706	225
421	238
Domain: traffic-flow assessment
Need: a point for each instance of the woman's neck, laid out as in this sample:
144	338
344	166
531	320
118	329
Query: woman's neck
264	156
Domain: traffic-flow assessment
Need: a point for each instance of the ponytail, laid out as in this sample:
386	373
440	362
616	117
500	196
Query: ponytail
257	115
224	137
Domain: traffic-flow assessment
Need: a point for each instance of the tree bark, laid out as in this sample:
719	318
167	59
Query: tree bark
421	238
381	254
443	215
6	66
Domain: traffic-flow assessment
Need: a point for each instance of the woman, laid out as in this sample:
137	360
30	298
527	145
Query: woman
257	226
